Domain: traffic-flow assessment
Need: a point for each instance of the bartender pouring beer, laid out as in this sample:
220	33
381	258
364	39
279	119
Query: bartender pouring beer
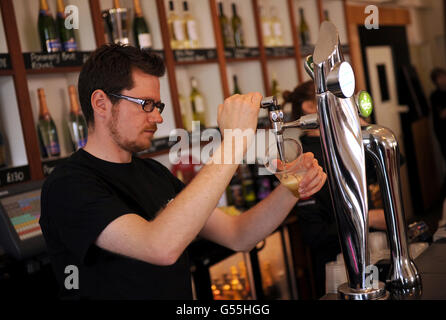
125	223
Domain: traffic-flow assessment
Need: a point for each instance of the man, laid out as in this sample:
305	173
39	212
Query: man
316	215
438	104
124	222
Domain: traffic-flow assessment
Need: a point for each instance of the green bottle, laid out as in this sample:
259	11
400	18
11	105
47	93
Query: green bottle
237	29
304	31
76	122
228	38
141	31
49	39
67	38
236	86
47	129
2	151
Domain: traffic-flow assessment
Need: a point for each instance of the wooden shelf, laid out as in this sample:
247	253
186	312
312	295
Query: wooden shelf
19	65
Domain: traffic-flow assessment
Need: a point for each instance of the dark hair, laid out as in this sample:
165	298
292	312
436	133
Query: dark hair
303	92
109	68
435	73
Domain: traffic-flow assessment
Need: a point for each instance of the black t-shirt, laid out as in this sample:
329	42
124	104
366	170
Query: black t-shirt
85	194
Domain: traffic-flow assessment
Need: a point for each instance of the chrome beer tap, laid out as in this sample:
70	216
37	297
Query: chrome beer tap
344	147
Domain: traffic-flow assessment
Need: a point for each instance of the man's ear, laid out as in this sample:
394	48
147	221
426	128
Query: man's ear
100	103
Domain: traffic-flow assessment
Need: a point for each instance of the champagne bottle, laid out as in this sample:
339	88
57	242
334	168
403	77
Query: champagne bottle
277	28
197	103
266	28
67	37
49	39
76	122
141	31
47	129
228	37
191	28
236	86
304	31
176	28
237	29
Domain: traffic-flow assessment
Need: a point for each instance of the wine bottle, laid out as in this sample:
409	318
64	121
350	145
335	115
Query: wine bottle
66	36
176	28
236	86
228	37
277	28
191	28
266	28
185	113
237	29
49	39
236	191
304	31
326	15
275	89
47	129
76	122
197	103
141	31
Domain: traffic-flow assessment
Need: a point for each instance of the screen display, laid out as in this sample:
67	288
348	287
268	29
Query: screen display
24	212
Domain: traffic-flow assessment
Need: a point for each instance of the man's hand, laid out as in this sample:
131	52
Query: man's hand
239	112
313	177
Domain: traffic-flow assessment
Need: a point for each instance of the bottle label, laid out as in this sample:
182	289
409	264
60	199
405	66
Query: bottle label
145	40
266	29
53	148
192	33
53	45
277	27
199	104
178	30
81	143
70	45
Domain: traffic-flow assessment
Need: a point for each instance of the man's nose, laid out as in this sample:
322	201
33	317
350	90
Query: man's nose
155	116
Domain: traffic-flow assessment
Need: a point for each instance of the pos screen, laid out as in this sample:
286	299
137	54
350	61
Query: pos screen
20	233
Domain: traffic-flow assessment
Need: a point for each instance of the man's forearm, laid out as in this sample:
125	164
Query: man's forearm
180	222
271	212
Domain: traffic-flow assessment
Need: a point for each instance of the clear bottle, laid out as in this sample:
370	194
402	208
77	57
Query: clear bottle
267	30
185	112
197	104
304	30
47	129
141	30
67	37
277	28
176	28
76	122
49	38
236	285
228	37
237	28
192	39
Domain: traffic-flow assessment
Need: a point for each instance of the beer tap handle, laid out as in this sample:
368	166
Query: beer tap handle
364	102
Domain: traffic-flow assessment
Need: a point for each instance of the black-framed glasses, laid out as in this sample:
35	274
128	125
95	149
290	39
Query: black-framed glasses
147	104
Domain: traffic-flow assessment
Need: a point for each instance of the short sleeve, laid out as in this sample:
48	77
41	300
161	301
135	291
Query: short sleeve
79	209
177	183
